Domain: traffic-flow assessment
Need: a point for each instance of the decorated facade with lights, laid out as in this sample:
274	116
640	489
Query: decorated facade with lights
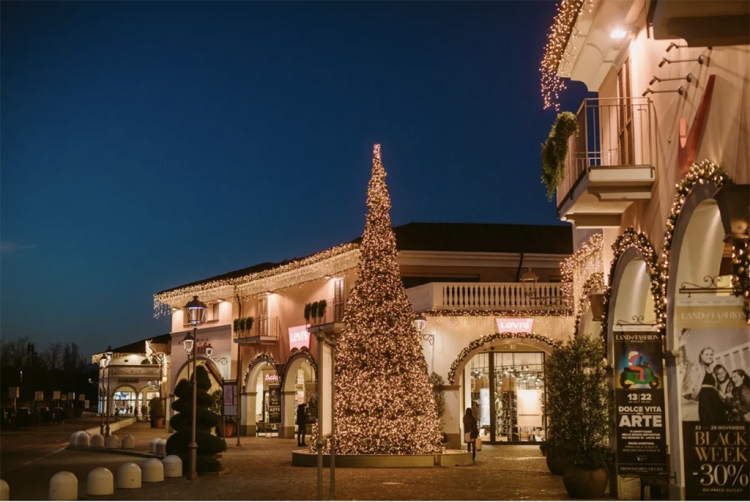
664	181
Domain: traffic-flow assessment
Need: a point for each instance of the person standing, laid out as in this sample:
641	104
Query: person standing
471	432
301	422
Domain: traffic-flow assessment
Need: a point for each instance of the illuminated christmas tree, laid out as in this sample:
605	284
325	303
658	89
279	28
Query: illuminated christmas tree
384	403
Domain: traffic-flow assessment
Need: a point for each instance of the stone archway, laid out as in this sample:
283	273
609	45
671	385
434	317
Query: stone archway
251	399
124	400
300	359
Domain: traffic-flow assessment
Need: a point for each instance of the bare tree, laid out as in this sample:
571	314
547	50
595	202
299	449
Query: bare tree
53	355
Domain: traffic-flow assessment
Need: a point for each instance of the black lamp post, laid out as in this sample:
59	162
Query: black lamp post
197	314
108	354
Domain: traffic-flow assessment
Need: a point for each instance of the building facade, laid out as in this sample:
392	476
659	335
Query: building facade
655	184
464	279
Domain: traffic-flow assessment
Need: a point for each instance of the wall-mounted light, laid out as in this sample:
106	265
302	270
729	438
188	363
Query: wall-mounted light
618	33
700	60
689	77
326	277
680	90
174	309
219	300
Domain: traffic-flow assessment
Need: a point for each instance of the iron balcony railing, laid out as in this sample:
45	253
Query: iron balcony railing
612	132
264	328
487	296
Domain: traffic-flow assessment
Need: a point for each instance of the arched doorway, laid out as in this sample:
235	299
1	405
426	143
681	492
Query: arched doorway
261	399
299	385
501	378
706	330
124	401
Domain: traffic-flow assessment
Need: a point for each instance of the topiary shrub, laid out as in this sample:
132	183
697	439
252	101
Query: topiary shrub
555	151
208	444
156	410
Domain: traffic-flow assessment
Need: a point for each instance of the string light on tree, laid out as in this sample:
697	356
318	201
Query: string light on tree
384	402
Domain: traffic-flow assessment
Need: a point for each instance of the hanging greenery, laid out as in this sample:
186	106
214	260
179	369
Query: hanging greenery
555	151
438	392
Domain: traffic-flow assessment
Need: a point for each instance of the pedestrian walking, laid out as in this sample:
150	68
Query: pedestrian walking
301	421
471	432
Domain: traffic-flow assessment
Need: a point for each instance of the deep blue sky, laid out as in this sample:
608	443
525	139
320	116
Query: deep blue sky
147	145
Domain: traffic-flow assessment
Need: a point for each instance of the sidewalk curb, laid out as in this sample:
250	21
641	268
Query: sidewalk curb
114	426
115	451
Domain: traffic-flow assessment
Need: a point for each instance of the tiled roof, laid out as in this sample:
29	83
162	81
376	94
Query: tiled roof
460	237
139	347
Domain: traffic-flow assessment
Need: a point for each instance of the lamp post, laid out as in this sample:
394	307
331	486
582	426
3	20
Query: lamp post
197	314
421	323
109	380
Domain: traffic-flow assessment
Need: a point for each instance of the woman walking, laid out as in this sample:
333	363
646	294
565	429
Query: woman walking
471	432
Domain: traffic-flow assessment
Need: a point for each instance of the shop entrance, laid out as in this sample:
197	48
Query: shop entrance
506	392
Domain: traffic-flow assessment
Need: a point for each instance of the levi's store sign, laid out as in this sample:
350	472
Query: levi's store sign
299	337
514	325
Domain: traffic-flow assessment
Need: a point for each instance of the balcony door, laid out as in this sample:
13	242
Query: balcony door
263	316
625	148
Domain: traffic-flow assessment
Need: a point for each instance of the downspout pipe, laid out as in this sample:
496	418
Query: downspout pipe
520	266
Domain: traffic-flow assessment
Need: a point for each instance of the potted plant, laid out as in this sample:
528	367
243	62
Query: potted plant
249	324
236	326
322	305
308	308
578	413
156	409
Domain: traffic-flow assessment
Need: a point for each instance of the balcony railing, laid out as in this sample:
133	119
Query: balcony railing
612	132
265	329
486	296
333	313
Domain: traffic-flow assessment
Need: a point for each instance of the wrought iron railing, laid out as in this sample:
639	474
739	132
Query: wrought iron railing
612	132
265	327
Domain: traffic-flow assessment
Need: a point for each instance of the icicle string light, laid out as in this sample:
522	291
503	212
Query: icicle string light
554	52
580	266
596	281
384	403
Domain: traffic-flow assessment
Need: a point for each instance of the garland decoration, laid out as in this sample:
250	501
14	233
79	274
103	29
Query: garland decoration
497	313
741	272
261	356
299	352
595	281
554	52
479	342
555	151
638	240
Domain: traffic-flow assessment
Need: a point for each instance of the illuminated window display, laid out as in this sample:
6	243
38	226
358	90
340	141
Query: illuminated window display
506	392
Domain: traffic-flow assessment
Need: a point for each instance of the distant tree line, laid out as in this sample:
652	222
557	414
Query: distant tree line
56	366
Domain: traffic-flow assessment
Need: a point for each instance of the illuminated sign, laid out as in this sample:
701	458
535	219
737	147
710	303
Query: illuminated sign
299	337
271	377
514	325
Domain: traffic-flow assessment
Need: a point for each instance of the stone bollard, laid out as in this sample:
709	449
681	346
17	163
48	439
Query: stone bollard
97	441
113	442
172	466
63	486
152	445
128	442
83	439
153	471
161	447
4	490
74	439
129	476
100	482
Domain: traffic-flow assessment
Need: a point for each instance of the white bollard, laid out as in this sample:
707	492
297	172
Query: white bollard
128	442
152	445
83	439
63	486
113	441
97	441
4	490
74	439
100	482
161	447
129	476
172	466
153	471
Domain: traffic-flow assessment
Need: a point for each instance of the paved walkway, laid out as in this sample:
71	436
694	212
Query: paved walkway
261	470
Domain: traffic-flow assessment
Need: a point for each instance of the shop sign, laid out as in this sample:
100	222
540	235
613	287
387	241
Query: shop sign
274	404
714	397
127	380
271	377
639	404
299	337
514	325
230	399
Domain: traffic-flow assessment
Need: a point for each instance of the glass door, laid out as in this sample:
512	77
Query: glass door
519	397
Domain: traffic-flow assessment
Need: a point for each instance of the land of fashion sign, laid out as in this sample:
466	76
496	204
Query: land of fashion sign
639	403
714	348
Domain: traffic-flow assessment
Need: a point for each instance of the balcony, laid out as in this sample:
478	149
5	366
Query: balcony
609	163
265	331
489	296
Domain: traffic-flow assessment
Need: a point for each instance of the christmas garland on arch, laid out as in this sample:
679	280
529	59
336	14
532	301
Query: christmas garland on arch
638	240
265	356
492	337
303	351
595	280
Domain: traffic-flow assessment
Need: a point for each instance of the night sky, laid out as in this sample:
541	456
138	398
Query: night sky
148	145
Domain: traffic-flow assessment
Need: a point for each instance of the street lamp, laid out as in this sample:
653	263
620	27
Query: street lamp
210	353
108	354
196	310
421	323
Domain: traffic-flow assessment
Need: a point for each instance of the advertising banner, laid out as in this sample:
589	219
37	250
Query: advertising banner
230	399
639	403
274	404
714	362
